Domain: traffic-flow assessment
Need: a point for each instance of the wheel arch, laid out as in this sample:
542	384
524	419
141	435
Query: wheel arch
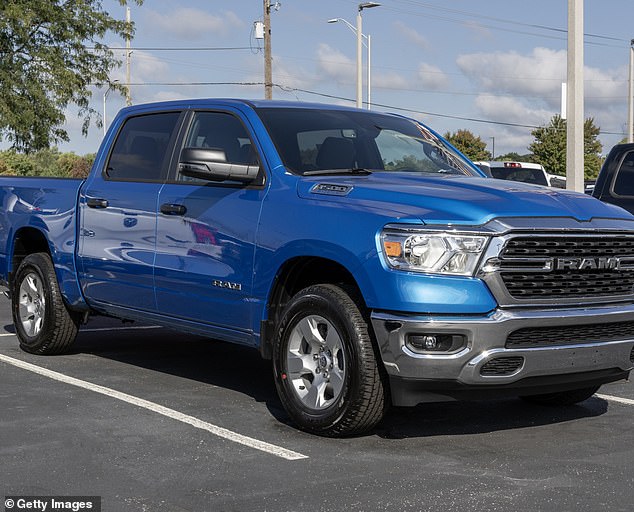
294	275
27	240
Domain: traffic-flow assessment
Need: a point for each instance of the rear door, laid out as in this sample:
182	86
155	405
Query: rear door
118	214
206	231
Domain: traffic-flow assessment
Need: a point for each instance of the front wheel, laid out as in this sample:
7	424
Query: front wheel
42	322
562	398
324	364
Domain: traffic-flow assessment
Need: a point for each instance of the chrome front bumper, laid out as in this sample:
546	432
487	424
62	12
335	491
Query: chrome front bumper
485	341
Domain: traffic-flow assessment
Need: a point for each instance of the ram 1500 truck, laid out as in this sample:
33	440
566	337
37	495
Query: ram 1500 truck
364	255
615	183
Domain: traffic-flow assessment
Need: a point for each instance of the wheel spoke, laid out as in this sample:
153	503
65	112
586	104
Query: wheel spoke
32	284
336	381
333	340
315	396
308	328
298	364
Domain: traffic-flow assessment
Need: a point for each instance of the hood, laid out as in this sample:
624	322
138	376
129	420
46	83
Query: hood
454	199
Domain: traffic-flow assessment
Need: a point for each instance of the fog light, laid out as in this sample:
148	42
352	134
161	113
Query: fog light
436	342
431	343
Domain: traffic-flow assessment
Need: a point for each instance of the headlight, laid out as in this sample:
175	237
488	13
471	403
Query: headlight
434	252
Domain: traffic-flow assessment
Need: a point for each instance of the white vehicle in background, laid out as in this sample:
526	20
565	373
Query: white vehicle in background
526	172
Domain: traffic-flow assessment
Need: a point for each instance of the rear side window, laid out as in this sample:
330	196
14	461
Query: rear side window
140	149
624	180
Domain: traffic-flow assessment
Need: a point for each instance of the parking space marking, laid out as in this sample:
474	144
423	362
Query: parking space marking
618	399
224	433
7	334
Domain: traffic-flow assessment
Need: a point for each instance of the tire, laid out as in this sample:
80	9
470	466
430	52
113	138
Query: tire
42	322
325	366
571	397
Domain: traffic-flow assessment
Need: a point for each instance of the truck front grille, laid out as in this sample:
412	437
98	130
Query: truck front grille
536	337
568	267
565	284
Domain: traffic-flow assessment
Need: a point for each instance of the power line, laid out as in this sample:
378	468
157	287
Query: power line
351	100
173	48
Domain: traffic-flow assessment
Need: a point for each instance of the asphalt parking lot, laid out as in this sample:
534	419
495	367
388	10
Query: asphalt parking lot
153	420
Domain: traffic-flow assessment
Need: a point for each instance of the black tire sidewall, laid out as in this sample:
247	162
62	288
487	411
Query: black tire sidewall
318	301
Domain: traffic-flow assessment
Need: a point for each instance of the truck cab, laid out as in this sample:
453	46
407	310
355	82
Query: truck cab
615	183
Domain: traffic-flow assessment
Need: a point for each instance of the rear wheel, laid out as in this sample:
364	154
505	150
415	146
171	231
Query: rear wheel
42	322
325	367
571	397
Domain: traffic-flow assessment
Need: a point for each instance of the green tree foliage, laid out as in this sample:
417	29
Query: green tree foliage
549	147
470	145
50	55
46	162
515	157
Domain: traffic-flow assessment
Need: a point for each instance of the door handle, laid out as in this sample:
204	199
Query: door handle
173	209
95	202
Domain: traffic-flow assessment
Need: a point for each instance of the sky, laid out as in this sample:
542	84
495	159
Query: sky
494	67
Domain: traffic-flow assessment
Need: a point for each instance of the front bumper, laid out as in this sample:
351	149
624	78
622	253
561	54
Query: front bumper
419	377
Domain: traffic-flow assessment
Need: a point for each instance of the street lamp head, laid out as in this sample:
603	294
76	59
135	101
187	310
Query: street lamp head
367	5
333	20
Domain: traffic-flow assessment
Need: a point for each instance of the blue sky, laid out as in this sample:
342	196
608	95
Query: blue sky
498	61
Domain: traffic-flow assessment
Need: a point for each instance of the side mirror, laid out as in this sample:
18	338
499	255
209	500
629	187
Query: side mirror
211	164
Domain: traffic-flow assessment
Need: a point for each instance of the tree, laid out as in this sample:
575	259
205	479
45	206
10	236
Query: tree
549	147
50	56
514	157
470	145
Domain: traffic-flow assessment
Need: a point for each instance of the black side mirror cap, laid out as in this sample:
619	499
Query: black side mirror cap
211	164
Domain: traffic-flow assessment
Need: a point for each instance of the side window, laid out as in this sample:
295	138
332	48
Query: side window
223	132
141	146
624	181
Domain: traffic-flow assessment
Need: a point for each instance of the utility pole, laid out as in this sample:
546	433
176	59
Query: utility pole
630	98
128	95
575	121
268	71
359	59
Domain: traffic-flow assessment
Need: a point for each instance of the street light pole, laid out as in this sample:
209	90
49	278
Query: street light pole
364	5
574	111
630	100
105	96
369	76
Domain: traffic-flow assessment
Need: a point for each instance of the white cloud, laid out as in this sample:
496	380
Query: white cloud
432	77
533	82
480	32
511	110
192	24
411	35
335	65
540	72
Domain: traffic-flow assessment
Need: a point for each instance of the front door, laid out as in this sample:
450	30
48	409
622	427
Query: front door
206	233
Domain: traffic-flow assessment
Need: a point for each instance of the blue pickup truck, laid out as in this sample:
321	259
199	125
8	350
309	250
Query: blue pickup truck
371	261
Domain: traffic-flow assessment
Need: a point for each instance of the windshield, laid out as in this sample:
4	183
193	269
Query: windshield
314	140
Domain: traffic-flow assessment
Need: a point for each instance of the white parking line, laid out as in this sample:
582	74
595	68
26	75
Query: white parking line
7	334
272	449
618	399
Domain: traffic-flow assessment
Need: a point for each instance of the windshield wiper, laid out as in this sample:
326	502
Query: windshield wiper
356	171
